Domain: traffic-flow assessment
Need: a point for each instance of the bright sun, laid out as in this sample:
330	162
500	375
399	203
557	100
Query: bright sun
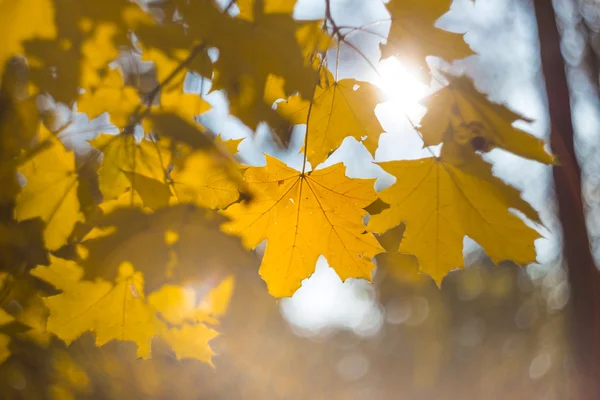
400	85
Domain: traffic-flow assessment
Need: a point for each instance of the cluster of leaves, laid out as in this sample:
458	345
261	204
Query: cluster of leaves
137	236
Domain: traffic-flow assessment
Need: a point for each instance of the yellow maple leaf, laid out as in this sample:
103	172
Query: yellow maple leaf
242	70
269	7
111	96
339	109
172	97
413	35
442	203
404	268
206	180
113	311
174	245
89	34
191	341
23	20
476	123
303	216
180	304
50	191
5	318
230	145
123	154
117	311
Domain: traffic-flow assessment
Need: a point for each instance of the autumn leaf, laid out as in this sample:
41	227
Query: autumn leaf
5	318
404	268
23	20
124	154
476	123
118	311
230	145
269	7
112	311
50	191
191	341
145	240
442	203
303	216
205	180
89	34
111	96
153	193
179	304
172	97
413	35
270	47
339	109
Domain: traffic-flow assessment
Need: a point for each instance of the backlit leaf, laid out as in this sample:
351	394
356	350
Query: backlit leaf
476	123
413	35
303	216
50	191
339	109
442	203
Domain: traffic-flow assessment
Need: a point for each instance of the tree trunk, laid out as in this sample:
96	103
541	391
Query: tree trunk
583	276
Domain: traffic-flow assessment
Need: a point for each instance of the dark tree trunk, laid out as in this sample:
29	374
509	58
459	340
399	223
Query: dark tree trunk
583	276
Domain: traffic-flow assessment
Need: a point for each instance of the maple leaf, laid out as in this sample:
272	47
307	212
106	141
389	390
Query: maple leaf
230	145
404	268
269	7
23	20
111	96
205	180
89	34
120	311
172	98
51	191
191	341
442	203
413	35
178	304
123	154
458	112
243	70
112	311
145	239
5	318
303	216
338	110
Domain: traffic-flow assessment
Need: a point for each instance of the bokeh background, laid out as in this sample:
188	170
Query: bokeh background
489	332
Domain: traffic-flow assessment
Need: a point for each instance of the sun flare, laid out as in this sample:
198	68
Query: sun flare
400	85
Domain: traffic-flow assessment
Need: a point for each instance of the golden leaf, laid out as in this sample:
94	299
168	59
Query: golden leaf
206	180
304	216
51	191
339	109
5	318
23	20
473	121
111	96
242	70
118	311
413	35
442	203
172	97
124	154
113	311
191	341
269	7
146	240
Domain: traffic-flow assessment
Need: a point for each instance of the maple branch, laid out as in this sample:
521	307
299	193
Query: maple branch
583	275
